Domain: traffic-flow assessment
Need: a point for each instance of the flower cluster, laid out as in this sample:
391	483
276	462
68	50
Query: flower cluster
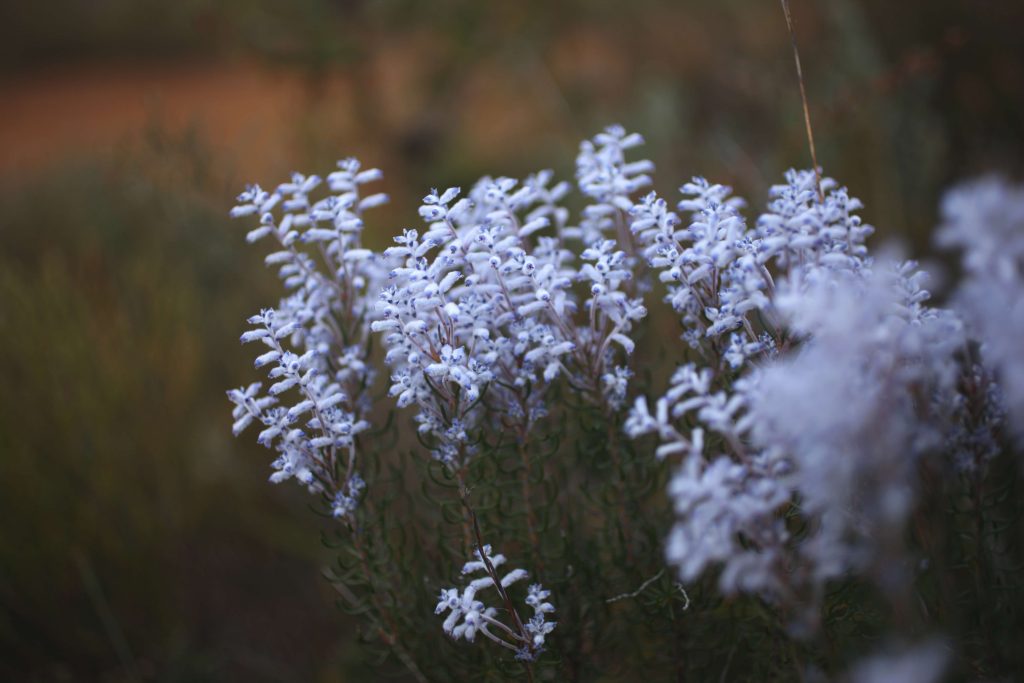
986	220
836	421
468	615
710	266
484	299
846	411
316	338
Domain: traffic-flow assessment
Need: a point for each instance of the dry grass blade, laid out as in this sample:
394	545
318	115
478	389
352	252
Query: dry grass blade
803	98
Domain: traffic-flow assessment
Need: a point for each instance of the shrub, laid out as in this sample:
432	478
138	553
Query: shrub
825	466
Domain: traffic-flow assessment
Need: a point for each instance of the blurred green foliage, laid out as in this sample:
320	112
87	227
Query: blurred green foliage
132	522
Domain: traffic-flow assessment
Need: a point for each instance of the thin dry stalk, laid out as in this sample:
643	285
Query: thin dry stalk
803	98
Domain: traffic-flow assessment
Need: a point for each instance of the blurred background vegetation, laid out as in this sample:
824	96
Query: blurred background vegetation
138	540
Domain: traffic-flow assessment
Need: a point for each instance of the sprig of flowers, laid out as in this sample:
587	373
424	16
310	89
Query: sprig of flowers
482	302
468	616
316	338
985	219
